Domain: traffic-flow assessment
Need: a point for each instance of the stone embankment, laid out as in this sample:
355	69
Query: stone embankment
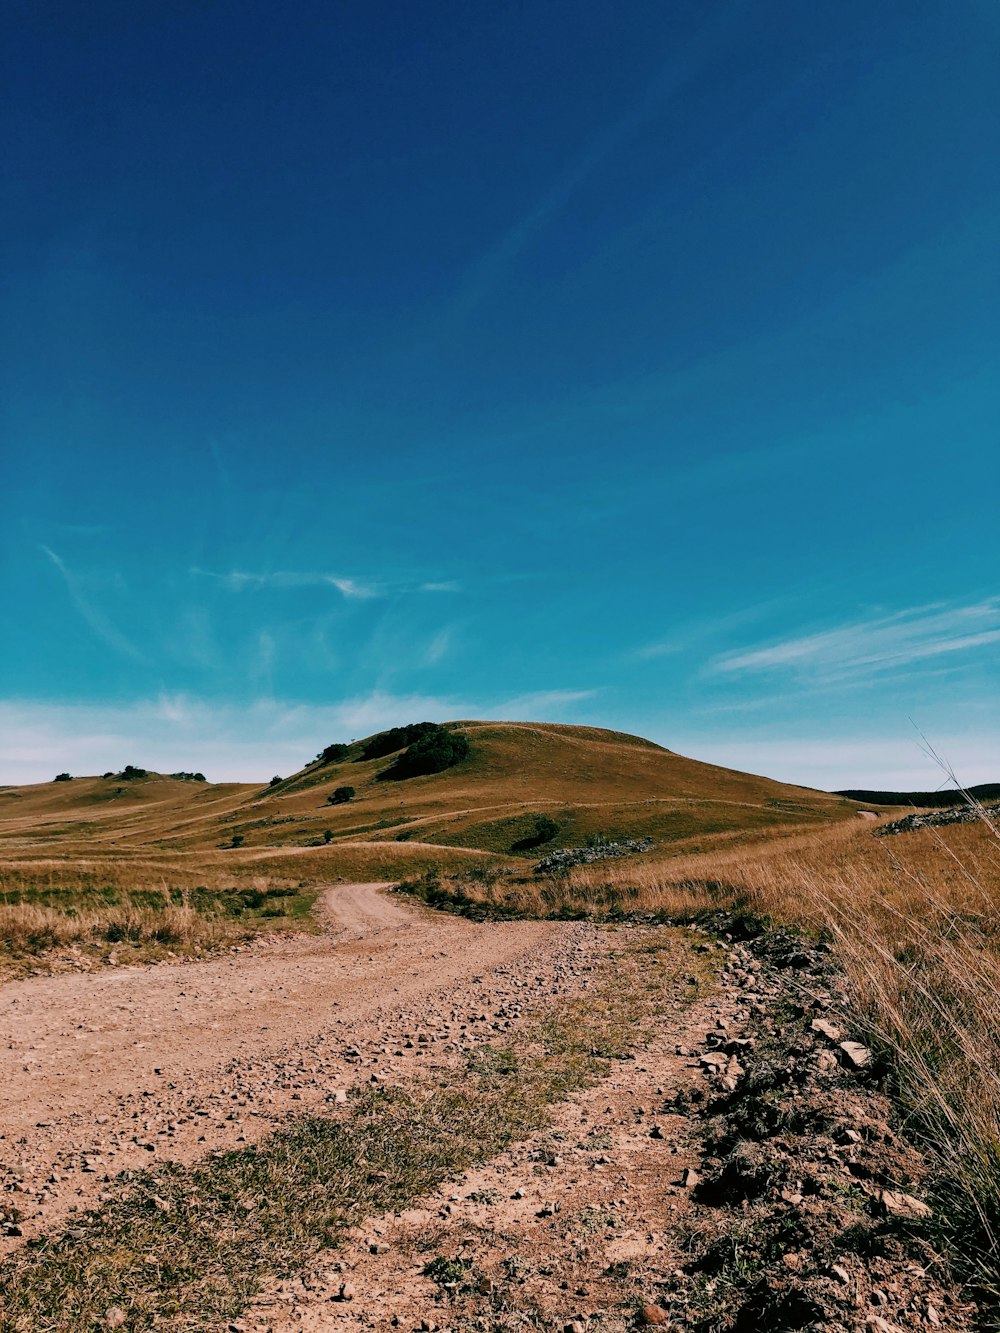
959	814
566	857
812	1215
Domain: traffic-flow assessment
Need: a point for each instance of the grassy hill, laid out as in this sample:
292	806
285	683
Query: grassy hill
590	781
155	844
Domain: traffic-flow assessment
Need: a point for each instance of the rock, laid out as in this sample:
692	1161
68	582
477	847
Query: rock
347	1292
840	1273
856	1055
114	1317
894	1203
575	1326
651	1315
656	1132
826	1029
576	856
689	1178
338	1096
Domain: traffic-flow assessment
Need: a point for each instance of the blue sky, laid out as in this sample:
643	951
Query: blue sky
630	364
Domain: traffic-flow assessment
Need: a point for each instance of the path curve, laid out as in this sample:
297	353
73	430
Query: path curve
110	1069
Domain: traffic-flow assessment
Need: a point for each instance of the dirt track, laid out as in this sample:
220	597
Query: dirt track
107	1071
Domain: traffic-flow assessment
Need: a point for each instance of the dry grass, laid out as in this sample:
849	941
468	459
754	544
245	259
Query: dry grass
917	921
135	910
29	929
591	781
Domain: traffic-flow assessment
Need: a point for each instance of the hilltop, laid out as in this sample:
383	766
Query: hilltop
589	781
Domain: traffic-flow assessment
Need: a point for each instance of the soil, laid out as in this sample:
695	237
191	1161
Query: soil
109	1071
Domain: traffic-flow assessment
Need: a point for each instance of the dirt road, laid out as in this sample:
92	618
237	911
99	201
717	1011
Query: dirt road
107	1071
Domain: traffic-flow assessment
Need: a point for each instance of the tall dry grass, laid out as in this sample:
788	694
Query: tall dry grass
916	919
30	929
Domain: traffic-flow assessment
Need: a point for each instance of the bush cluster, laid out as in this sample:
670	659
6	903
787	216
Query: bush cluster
432	752
396	738
339	795
189	777
63	777
333	752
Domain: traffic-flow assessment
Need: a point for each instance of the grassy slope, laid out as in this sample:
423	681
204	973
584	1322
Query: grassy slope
591	781
105	845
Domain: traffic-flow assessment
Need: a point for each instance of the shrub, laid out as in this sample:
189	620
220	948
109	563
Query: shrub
432	752
333	752
340	794
237	840
189	777
396	738
62	777
328	835
130	772
545	829
275	780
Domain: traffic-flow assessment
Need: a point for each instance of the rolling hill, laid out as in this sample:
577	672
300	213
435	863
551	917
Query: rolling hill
588	780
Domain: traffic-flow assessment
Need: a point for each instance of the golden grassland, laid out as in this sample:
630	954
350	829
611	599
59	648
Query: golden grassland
136	868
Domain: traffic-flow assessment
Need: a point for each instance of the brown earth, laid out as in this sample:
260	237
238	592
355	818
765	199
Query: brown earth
110	1071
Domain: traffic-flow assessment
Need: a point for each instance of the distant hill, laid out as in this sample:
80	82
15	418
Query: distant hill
986	791
588	781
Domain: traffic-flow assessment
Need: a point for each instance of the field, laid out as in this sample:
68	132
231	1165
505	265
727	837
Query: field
118	868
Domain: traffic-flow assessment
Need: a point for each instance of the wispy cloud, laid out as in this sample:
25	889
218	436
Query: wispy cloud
438	648
241	580
651	651
538	705
678	71
352	588
238	580
870	646
95	618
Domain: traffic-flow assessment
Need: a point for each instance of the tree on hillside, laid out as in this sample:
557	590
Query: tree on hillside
397	738
62	777
546	829
339	795
432	752
333	752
